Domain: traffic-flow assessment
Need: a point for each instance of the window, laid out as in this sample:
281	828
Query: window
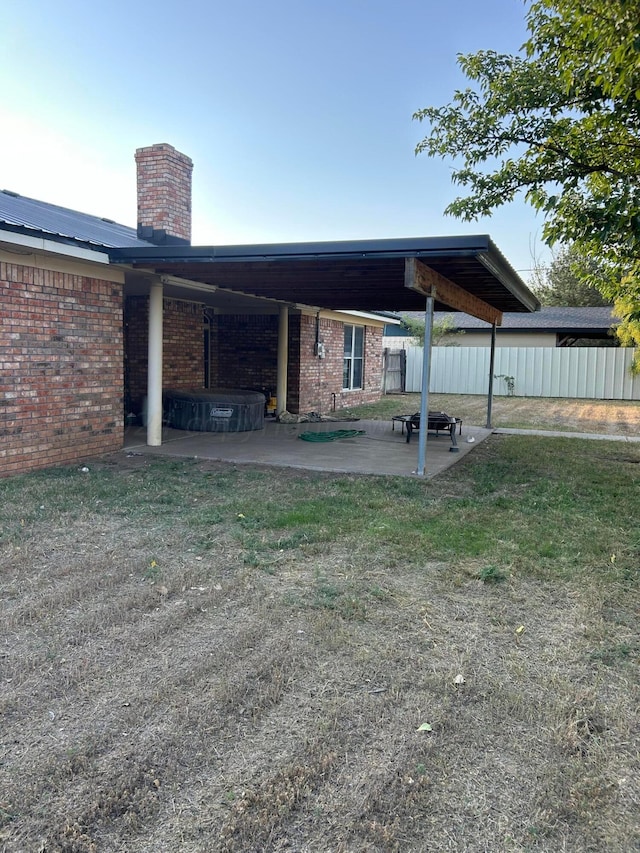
353	357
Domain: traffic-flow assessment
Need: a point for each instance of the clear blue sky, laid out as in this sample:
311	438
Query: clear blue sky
297	114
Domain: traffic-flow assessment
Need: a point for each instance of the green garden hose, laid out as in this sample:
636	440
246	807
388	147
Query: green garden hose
331	436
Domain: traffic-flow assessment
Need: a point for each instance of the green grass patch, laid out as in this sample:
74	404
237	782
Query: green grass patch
344	599
546	507
491	574
612	655
205	614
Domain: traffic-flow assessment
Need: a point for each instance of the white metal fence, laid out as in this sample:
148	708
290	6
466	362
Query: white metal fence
598	373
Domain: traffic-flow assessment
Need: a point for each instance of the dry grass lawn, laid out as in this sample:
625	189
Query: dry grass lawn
203	657
606	417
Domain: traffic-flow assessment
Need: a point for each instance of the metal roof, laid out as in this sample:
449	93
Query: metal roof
554	319
32	217
365	275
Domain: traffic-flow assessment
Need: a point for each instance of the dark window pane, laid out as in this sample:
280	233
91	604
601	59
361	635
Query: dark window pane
348	341
357	373
359	341
346	368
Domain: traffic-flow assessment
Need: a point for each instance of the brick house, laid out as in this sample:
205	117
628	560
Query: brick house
75	327
61	352
97	319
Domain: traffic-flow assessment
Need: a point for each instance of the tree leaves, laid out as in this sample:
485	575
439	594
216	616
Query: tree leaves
560	124
566	281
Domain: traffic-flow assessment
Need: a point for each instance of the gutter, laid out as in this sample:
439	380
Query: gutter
67	248
350	249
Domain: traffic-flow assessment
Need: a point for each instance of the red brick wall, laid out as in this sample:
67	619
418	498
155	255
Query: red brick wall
321	378
293	363
213	351
183	347
136	336
246	351
61	368
244	354
372	366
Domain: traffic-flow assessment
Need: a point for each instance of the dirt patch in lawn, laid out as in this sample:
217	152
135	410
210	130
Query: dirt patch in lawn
199	657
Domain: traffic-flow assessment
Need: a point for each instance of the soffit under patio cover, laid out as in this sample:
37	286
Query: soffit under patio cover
351	275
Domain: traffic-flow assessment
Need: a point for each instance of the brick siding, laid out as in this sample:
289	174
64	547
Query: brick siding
61	368
244	354
183	347
321	378
246	351
183	344
293	363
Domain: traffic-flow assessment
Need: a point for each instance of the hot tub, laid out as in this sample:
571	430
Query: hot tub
214	409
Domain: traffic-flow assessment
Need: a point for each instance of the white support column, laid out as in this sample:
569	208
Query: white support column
283	359
154	367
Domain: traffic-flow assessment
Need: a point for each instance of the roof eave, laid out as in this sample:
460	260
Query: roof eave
341	249
441	253
499	266
45	242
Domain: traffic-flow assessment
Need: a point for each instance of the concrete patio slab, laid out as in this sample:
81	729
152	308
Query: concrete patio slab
381	450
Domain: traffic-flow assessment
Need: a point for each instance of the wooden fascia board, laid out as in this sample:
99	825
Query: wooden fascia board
428	282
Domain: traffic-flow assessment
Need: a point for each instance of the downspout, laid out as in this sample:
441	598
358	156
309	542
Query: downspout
492	360
283	359
154	366
424	395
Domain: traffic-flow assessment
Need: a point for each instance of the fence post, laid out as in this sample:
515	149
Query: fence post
385	361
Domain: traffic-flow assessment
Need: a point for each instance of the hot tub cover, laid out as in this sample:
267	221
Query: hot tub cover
214	409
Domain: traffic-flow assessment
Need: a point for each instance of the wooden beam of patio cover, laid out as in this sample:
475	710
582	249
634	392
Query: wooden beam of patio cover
428	282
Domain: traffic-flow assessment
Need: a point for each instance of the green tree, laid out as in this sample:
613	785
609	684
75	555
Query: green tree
559	122
443	331
566	281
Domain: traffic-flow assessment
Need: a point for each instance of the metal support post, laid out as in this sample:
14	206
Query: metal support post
424	398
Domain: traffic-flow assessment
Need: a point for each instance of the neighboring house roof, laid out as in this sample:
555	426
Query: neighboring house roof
393	318
38	218
548	319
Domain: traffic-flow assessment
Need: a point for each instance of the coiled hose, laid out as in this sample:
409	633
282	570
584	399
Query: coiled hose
331	436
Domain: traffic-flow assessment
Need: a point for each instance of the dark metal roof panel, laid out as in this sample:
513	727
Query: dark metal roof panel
363	275
29	216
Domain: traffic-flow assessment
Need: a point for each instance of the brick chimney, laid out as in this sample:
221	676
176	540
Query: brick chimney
164	195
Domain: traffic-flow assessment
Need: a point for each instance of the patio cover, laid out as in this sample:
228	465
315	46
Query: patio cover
464	273
362	275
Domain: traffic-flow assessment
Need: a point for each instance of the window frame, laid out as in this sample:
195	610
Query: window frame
350	360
